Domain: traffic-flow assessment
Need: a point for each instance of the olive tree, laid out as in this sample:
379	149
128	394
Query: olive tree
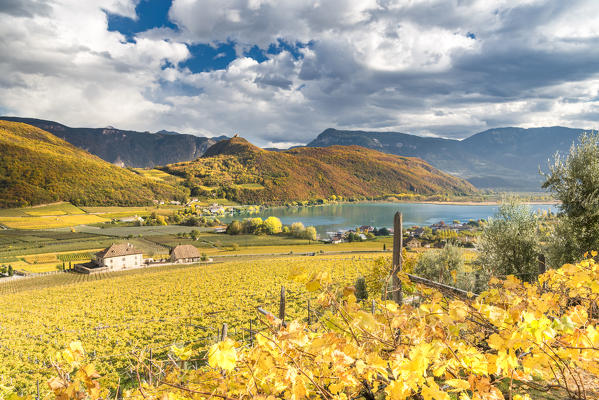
441	265
574	181
509	243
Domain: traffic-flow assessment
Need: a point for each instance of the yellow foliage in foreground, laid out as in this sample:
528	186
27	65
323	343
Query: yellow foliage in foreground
515	340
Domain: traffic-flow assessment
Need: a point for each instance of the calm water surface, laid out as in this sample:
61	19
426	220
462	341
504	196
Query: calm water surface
333	217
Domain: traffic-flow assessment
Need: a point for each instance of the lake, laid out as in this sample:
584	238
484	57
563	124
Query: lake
334	217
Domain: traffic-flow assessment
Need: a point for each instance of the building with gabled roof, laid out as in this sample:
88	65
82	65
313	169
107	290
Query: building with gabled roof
120	256
185	253
413	243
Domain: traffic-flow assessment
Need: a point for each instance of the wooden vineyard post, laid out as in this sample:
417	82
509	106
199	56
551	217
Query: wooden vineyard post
372	307
308	311
150	369
223	333
282	306
397	246
542	266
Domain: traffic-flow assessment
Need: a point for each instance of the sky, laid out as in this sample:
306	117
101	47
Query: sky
279	72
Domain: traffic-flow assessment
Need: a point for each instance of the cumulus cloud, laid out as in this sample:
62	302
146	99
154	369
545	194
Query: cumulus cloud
428	67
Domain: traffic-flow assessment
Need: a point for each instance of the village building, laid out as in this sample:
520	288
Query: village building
413	243
119	256
216	209
185	253
336	238
416	232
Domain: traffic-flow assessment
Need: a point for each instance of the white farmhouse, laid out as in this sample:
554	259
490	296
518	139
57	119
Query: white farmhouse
120	256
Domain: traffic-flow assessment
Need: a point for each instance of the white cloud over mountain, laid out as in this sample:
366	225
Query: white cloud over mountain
425	67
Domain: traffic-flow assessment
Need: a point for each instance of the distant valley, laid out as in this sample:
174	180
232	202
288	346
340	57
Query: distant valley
502	158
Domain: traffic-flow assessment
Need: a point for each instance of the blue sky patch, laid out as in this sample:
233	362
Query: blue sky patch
150	14
208	58
256	53
204	57
293	49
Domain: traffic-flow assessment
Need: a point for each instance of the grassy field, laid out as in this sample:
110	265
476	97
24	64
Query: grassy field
48	222
113	313
36	268
63	214
158	175
120	212
61	208
251	186
222	202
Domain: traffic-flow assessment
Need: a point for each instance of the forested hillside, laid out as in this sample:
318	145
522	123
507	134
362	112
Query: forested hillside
241	171
37	167
128	148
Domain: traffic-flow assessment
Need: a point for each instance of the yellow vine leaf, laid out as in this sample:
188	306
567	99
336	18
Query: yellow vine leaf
223	355
182	352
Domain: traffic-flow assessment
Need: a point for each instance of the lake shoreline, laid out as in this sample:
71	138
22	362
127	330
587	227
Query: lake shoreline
332	217
475	203
386	201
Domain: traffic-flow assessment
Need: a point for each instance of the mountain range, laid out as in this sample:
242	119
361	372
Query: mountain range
37	167
502	158
238	170
128	148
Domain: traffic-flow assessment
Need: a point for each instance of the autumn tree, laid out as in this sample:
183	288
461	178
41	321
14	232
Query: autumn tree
252	225
310	233
234	228
273	225
297	228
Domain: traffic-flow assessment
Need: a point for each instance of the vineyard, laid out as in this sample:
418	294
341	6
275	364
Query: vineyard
74	256
113	314
515	341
